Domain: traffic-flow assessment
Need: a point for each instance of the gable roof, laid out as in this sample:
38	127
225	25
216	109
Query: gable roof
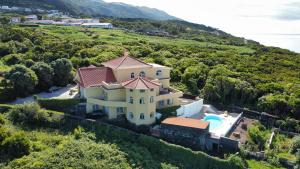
139	83
95	76
186	122
125	62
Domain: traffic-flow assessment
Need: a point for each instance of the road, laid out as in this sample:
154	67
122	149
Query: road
63	93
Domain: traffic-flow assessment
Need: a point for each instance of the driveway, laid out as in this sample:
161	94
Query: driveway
63	93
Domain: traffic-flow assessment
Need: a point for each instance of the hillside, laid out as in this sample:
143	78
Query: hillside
93	8
48	140
222	69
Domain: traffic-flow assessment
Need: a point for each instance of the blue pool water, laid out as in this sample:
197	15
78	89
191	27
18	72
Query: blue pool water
215	121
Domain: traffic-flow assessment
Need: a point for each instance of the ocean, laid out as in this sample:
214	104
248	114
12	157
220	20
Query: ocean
285	41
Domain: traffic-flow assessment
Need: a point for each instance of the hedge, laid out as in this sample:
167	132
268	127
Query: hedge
182	157
61	105
5	108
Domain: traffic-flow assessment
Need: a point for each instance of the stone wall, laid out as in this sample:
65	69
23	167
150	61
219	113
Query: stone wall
190	137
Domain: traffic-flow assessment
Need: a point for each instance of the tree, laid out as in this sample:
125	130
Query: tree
198	73
22	79
4	20
12	59
44	73
15	146
295	145
4	49
62	71
258	135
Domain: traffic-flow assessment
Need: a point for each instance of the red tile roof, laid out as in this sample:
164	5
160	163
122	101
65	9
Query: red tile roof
186	122
139	83
95	76
125	62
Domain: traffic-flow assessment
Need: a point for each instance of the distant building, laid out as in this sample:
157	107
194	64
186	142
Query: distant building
5	7
28	10
98	25
45	22
15	8
88	20
53	11
31	17
15	19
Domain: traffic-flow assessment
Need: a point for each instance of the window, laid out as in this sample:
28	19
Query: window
169	102
142	91
152	115
142	116
120	110
151	99
96	107
151	90
158	73
132	75
161	103
142	101
142	74
131	100
131	90
130	115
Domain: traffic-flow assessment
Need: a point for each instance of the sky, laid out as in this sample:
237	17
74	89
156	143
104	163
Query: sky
271	22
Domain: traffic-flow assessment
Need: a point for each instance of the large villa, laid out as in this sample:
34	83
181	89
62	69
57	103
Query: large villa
128	87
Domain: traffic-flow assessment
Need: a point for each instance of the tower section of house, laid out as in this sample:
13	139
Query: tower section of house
140	96
127	87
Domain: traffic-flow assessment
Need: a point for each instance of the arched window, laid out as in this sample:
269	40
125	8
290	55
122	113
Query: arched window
142	116
130	115
142	100
142	74
152	115
158	73
132	75
131	100
151	99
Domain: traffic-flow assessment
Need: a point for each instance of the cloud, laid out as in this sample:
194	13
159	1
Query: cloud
289	12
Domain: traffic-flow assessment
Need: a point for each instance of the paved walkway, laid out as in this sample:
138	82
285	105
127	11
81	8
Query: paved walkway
63	93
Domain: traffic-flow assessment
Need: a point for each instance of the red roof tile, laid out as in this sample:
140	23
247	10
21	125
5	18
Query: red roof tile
125	62
139	83
186	122
94	76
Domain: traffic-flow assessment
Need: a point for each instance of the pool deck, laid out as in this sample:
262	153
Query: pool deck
228	119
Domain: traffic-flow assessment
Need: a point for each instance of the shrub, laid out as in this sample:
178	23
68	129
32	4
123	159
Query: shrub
62	71
62	105
2	121
5	108
28	114
295	145
22	79
15	146
45	75
4	133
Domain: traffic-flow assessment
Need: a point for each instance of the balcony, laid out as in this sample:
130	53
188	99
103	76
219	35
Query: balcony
107	103
168	93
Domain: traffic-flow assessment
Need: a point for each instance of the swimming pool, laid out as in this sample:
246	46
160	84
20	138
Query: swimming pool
214	121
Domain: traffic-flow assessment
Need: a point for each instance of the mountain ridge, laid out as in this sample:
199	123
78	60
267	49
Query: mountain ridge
94	8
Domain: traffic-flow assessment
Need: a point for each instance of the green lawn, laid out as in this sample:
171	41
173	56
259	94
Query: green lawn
252	164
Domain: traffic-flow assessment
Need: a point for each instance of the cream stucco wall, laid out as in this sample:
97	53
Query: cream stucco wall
109	97
136	108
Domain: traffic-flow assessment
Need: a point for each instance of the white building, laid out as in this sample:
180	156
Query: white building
88	20
5	7
98	25
31	17
15	19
